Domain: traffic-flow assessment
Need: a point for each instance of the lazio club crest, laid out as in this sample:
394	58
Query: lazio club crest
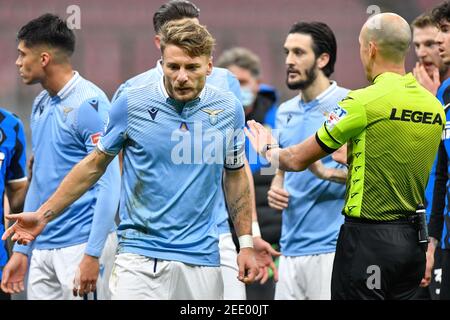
213	115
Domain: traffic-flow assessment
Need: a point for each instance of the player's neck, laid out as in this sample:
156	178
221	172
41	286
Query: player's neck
386	66
316	88
56	78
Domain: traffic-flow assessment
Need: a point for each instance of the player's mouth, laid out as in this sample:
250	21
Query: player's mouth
183	91
292	73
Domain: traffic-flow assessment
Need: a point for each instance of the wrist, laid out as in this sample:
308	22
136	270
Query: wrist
267	149
245	241
256	232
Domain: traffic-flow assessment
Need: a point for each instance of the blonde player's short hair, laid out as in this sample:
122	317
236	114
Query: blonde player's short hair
192	37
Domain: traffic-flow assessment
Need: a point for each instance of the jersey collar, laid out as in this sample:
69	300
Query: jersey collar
320	98
158	67
66	90
390	76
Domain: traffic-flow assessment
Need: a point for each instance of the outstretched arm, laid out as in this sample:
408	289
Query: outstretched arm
74	185
294	158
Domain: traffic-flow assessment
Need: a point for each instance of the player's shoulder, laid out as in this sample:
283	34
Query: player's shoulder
443	93
221	72
289	105
144	91
213	94
8	116
88	92
143	78
341	92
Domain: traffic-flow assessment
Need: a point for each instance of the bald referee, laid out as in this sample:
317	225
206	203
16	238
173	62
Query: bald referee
388	126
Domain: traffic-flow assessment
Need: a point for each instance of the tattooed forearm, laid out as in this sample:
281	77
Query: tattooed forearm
241	204
49	215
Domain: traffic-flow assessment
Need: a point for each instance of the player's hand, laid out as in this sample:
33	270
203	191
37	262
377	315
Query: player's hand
259	136
277	196
425	282
430	83
85	280
14	273
248	268
263	255
27	227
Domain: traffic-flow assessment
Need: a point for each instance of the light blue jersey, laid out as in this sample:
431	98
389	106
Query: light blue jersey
311	223
220	78
172	169
65	129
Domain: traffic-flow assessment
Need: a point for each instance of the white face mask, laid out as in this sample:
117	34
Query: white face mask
247	97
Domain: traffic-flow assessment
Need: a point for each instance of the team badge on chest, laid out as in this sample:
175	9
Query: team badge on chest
213	115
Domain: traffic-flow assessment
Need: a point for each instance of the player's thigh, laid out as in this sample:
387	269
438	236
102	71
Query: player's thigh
318	270
288	287
190	282
136	277
66	262
42	282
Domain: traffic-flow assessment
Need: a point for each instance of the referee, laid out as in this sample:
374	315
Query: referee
393	130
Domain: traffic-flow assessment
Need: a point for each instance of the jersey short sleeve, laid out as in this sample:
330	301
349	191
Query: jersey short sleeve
115	135
235	157
234	85
347	120
90	122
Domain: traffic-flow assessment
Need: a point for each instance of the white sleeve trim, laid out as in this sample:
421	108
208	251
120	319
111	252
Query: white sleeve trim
102	149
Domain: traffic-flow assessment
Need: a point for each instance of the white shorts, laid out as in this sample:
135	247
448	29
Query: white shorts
305	277
52	272
135	277
233	288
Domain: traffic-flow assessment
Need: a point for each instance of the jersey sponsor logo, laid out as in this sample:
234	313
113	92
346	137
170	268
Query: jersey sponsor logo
334	117
213	115
415	116
95	137
2	157
153	112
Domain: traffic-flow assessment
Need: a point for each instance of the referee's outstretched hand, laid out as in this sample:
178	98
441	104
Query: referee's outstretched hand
259	136
27	227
